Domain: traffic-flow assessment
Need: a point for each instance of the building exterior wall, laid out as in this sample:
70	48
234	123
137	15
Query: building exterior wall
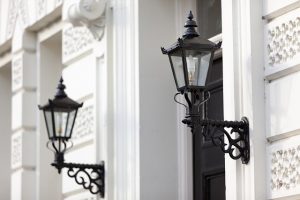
110	59
281	45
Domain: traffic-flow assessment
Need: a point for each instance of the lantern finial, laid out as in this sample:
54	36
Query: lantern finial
61	89
190	25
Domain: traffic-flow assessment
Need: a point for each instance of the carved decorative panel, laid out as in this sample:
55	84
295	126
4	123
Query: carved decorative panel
283	41
16	151
282	45
23	12
76	40
17	8
285	168
17	73
12	16
41	8
85	122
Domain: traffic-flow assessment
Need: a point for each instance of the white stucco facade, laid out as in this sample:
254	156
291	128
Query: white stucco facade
108	52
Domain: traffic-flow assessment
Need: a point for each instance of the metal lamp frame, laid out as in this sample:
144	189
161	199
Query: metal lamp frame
231	136
89	176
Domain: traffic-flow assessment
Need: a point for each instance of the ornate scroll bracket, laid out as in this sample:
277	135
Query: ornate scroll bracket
90	176
234	142
89	13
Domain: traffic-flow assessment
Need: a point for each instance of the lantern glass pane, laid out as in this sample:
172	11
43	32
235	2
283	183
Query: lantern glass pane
178	69
60	119
197	65
49	124
70	123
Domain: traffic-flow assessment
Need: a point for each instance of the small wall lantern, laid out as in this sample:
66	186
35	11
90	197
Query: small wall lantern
60	115
190	59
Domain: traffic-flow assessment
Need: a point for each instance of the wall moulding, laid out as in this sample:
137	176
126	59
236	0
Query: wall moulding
276	8
42	8
17	72
76	41
18	9
16	150
5	59
22	151
46	7
85	123
23	69
282	136
5	47
283	170
282	43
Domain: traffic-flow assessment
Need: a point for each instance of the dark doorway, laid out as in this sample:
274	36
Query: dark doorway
209	163
208	160
209	18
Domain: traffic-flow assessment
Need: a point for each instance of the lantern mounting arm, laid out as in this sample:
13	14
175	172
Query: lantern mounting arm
237	145
89	176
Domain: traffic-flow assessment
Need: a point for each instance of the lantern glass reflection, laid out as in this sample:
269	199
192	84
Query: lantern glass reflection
179	75
197	66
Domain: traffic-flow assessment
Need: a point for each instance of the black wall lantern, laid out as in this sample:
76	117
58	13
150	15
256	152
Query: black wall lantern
190	58
60	115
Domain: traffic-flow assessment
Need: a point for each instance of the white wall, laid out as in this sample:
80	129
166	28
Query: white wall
243	87
50	69
282	65
5	124
158	122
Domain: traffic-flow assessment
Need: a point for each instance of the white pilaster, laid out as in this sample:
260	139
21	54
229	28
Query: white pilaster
23	116
126	101
243	83
282	98
184	135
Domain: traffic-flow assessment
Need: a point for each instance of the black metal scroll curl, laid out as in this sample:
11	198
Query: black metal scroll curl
234	142
89	176
197	104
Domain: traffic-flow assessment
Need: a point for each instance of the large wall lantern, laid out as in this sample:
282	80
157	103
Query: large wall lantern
190	59
60	115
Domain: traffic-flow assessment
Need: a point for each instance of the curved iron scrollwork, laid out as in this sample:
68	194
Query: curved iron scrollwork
90	176
234	142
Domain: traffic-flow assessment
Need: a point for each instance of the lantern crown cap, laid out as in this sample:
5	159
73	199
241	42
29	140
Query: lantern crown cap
190	26
61	101
61	89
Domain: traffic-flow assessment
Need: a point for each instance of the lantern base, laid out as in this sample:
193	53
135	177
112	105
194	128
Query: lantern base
59	160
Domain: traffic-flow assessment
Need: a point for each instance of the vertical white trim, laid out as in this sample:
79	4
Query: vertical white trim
104	105
229	90
101	116
184	135
242	81
126	100
185	158
49	68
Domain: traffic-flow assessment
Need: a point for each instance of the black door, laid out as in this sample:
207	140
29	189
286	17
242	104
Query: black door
209	163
